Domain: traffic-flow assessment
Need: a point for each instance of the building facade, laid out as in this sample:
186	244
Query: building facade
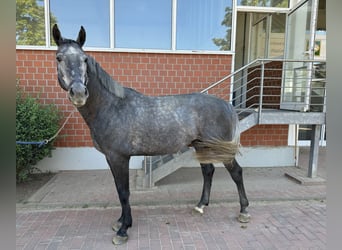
166	47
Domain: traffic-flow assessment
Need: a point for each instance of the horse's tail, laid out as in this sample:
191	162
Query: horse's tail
216	150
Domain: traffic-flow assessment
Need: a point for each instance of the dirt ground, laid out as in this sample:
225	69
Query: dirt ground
25	189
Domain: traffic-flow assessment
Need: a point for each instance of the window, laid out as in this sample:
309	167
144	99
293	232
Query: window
204	25
92	15
277	35
193	25
267	35
143	24
30	22
264	3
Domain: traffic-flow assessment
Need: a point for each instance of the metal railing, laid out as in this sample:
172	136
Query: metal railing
274	83
266	84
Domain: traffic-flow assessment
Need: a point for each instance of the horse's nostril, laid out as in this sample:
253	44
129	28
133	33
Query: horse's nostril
71	92
86	92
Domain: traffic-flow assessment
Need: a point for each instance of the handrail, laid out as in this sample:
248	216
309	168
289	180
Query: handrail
254	62
228	76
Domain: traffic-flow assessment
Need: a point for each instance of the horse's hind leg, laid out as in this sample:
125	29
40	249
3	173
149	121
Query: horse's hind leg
235	171
120	171
207	172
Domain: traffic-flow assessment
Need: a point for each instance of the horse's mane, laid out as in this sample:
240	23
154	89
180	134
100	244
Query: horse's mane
104	78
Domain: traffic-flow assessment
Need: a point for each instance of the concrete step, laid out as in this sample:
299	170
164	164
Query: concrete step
248	121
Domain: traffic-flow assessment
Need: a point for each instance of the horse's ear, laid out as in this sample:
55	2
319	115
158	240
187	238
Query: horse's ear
57	37
81	37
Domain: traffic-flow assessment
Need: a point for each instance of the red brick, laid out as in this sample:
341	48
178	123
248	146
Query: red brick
153	74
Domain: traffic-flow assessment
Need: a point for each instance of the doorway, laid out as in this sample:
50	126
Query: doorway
259	34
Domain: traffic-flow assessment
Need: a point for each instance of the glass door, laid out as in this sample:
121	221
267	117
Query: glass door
297	75
258	45
304	83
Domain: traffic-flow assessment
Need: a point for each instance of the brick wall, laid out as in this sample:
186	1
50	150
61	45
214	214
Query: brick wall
272	85
265	135
149	73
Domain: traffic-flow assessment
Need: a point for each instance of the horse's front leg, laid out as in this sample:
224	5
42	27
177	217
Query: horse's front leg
120	170
235	171
207	172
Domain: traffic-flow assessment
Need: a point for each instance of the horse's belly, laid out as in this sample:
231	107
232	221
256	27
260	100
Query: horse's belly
159	145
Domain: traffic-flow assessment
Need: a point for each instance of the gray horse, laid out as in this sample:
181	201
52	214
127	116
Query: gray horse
124	123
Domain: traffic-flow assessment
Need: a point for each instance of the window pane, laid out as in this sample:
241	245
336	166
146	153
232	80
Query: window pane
277	35
258	36
204	25
30	22
143	24
92	15
265	3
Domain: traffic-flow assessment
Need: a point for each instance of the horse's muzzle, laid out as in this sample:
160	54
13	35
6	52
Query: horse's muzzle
78	94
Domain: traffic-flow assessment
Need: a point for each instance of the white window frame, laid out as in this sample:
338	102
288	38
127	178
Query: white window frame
294	141
112	48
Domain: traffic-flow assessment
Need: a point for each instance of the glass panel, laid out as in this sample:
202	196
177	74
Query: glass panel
304	132
277	35
296	73
204	25
298	32
265	3
143	24
92	15
30	22
317	94
258	36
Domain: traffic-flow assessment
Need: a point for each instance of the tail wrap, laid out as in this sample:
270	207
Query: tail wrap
215	151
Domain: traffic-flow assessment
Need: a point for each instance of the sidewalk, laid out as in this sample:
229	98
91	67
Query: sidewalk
95	188
75	210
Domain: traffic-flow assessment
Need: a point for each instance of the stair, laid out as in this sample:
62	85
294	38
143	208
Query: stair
182	160
247	119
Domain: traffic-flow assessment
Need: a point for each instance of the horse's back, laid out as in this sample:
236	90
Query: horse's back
164	123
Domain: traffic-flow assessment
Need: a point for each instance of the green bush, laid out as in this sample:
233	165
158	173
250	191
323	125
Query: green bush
34	122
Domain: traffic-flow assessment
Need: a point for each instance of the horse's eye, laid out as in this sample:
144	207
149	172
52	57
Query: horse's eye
58	58
86	59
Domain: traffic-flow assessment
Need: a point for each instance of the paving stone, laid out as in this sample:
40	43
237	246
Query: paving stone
276	232
76	211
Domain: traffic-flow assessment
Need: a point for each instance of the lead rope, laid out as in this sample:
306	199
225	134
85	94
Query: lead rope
46	141
60	129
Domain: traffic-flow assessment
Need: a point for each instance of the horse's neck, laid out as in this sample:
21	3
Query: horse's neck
103	91
103	78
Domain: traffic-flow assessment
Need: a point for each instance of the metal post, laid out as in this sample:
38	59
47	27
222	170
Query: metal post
296	153
150	171
314	150
261	89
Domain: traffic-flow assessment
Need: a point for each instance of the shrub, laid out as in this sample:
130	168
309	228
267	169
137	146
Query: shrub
34	122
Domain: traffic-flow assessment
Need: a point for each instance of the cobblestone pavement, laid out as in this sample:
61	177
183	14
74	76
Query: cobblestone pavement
274	225
75	210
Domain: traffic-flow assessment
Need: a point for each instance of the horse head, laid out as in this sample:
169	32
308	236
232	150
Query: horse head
72	66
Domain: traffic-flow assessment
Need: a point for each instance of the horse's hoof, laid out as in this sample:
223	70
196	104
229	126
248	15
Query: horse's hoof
116	226
198	210
119	240
244	217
